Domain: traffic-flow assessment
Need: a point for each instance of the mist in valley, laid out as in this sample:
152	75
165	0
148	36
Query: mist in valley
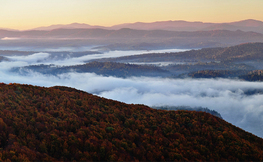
226	96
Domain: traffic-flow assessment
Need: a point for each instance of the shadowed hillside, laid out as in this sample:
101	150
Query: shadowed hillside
66	124
100	68
256	75
241	52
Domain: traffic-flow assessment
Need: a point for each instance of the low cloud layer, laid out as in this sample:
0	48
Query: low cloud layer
45	57
223	95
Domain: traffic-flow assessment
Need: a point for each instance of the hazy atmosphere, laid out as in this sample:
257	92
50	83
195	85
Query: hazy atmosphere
28	14
132	80
59	48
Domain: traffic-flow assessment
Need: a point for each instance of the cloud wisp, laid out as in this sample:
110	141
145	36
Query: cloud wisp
34	58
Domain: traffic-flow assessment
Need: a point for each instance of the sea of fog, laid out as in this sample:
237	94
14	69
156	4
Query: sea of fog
223	95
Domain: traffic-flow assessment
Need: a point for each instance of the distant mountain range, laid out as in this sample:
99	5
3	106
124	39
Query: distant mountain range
70	26
121	33
145	36
132	39
244	25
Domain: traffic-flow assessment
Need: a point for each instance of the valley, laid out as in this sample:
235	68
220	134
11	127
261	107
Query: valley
167	77
114	80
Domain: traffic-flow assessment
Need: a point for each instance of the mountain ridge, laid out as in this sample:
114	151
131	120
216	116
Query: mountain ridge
176	25
120	33
66	124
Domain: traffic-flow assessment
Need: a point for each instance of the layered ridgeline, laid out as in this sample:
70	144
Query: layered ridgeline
128	39
100	68
66	124
237	53
244	61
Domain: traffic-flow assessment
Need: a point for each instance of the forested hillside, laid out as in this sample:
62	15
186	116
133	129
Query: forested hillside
65	124
228	62
256	75
217	73
100	68
242	52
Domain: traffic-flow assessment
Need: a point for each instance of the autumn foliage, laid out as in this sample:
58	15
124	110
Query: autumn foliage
66	124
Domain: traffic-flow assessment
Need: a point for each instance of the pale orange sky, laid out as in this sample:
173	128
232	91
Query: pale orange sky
27	14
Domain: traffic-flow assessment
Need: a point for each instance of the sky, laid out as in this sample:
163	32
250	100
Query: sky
28	14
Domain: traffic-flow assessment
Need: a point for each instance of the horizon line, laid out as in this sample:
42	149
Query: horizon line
105	26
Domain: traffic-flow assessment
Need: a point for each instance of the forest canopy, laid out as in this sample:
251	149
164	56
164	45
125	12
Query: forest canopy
65	124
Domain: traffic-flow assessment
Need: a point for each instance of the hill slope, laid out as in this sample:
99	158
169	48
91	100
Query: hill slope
100	68
65	124
241	52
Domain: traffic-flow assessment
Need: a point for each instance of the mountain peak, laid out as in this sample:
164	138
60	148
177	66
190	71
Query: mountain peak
74	25
248	23
169	25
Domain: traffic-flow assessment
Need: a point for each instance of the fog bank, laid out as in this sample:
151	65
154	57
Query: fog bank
223	95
